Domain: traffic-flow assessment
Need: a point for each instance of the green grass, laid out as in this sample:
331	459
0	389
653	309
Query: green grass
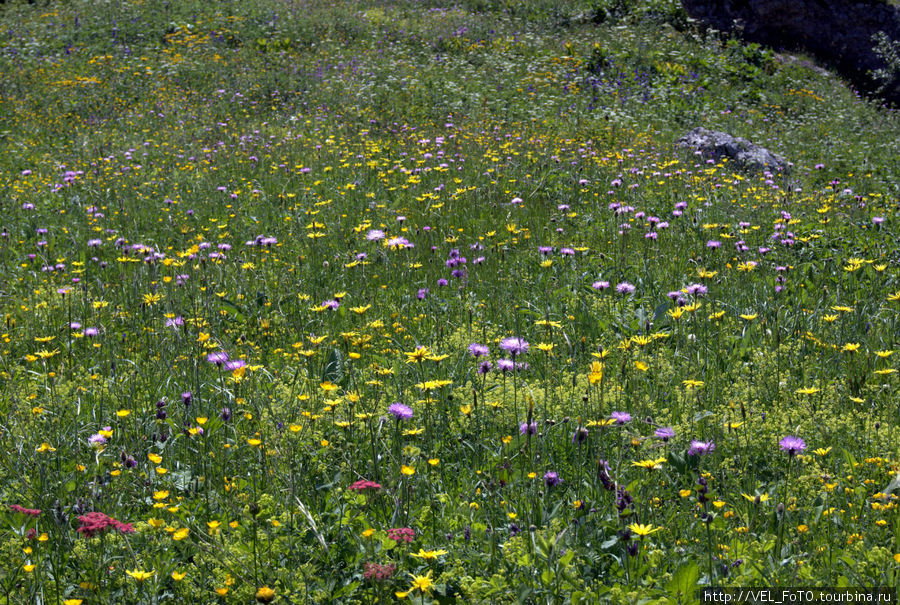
181	181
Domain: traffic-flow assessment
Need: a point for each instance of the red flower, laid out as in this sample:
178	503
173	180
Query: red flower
401	534
364	484
96	523
31	512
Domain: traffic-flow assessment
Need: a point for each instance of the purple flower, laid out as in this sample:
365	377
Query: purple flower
374	235
701	448
233	364
528	429
478	350
484	367
97	440
664	433
713	244
217	358
579	436
600	285
792	445
551	479
422	293
400	411
696	289
174	322
506	365
621	417
624	288
91	332
514	345
398	243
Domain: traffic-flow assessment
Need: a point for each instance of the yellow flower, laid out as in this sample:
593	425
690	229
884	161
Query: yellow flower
643	530
807	391
434	461
45	447
123	413
428	554
28	567
154	458
640	365
850	347
181	534
423	583
822	451
254	442
545	347
161	495
140	576
596	374
178	576
418	355
749	317
265	595
368	533
684	493
72	602
650	464
407	470
222	591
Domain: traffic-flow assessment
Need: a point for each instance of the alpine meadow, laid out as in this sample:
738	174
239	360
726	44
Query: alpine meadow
379	301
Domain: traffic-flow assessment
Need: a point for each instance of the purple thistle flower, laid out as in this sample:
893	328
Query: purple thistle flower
217	358
506	365
701	448
478	350
514	345
400	411
664	433
625	288
621	417
600	285
233	364
528	429
792	445
551	479
484	367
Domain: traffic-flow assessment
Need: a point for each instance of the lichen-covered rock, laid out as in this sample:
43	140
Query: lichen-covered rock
715	144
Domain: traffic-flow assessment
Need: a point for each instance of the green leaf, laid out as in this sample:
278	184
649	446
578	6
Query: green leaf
684	581
334	367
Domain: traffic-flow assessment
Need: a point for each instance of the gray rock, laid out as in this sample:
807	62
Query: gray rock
715	144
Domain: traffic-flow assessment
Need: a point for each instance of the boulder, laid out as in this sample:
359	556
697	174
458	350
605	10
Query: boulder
837	32
715	144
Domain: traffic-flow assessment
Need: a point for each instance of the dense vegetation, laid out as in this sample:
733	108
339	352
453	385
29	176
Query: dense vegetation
311	302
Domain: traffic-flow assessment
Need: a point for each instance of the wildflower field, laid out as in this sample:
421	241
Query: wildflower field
387	301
